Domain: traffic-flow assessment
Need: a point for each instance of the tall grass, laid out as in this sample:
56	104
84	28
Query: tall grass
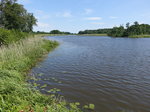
139	36
15	94
28	49
10	36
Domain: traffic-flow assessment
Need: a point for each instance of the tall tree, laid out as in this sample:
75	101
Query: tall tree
127	25
117	32
55	32
136	23
15	16
135	29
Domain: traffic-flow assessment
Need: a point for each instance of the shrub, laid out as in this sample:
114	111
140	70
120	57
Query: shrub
10	36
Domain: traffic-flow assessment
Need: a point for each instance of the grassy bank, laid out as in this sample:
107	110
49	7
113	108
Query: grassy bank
15	94
11	36
139	36
43	35
93	34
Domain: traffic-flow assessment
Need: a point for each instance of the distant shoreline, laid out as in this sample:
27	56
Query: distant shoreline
140	36
92	34
134	36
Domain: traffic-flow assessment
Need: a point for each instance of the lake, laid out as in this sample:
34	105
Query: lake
112	73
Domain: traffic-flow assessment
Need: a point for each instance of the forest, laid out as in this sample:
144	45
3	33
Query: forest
15	16
135	30
15	22
52	32
99	31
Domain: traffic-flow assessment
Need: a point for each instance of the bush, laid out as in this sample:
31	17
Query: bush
10	36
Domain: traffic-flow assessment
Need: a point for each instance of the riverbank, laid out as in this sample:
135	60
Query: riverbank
15	94
92	34
43	35
140	36
134	36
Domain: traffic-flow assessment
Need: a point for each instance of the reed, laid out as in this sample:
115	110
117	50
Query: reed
15	94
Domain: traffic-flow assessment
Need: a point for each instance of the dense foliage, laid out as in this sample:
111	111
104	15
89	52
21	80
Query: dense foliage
14	22
130	31
99	31
10	36
117	32
15	16
135	30
58	32
52	32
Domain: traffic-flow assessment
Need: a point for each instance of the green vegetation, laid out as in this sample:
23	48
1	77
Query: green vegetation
10	36
17	55
15	94
53	33
59	32
95	32
15	22
90	106
134	31
117	32
140	36
15	16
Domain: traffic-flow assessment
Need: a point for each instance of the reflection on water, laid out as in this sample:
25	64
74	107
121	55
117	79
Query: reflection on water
112	73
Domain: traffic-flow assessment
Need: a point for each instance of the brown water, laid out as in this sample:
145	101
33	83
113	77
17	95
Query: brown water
112	73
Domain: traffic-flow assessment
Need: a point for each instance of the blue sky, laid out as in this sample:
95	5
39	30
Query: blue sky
75	15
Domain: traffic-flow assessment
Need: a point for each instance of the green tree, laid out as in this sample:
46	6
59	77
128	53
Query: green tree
117	32
136	23
15	16
98	31
135	29
127	25
55	32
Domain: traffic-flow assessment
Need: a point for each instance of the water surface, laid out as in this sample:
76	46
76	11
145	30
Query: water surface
112	73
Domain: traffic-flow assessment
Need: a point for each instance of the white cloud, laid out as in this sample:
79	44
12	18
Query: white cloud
113	17
42	27
43	17
66	14
24	1
93	18
88	11
41	14
141	22
98	23
38	11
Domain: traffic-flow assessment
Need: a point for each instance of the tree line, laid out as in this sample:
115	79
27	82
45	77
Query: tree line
130	30
53	32
15	22
58	32
99	31
14	16
121	31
